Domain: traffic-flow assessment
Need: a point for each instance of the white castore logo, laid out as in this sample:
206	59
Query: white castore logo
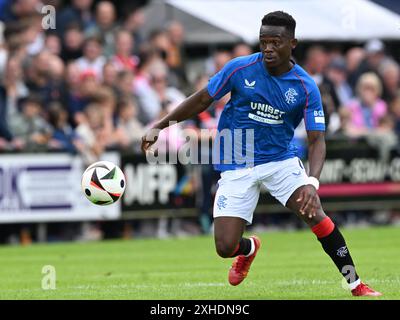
249	85
290	95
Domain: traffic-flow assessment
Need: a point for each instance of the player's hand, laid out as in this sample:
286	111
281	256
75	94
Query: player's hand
149	139
309	201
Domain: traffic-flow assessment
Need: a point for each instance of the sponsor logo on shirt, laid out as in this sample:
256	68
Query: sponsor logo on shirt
319	116
265	113
249	85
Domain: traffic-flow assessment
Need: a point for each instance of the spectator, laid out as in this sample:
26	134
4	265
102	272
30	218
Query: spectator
129	128
390	74
346	129
217	61
133	23
220	59
374	56
395	112
30	126
105	99
169	96
71	95
208	119
78	13
160	41
72	43
63	137
92	59
368	108
125	84
148	100
123	58
52	44
354	57
176	53
149	58
44	76
13	10
105	27
384	138
15	42
11	90
53	88
110	75
241	49
80	97
337	74
91	134
13	84
34	34
316	64
316	61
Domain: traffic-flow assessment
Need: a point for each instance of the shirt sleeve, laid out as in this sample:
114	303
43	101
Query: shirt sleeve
221	83
314	117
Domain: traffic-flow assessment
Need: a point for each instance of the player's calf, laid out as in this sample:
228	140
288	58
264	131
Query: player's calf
225	249
331	239
228	233
335	246
229	250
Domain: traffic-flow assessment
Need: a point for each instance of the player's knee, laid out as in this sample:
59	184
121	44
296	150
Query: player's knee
314	220
317	218
224	248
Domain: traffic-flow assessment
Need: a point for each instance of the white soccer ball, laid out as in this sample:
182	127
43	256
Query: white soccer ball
103	183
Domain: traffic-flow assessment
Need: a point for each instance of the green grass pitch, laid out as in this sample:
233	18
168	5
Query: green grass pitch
290	265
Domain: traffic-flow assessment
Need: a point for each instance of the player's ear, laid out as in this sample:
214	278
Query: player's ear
293	43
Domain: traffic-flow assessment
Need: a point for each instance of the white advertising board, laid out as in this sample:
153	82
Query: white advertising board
46	188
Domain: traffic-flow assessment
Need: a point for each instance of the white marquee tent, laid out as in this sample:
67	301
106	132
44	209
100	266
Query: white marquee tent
231	20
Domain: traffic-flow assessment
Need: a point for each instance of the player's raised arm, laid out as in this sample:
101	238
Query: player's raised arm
194	104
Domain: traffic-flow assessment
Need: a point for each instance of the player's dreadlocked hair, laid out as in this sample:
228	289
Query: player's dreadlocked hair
280	18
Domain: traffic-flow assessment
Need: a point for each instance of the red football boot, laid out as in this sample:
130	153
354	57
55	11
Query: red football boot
363	290
241	265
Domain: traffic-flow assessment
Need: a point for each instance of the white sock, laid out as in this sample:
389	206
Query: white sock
253	248
354	284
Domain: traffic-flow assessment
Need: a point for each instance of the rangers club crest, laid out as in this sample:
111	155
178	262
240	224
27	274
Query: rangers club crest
221	203
290	95
342	251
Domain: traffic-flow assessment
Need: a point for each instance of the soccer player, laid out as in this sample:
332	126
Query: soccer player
270	94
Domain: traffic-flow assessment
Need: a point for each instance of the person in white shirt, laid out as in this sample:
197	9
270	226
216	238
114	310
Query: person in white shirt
92	59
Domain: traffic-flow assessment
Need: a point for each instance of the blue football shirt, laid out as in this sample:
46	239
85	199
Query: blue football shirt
270	106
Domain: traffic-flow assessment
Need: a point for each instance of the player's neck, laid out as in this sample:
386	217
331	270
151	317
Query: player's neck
279	70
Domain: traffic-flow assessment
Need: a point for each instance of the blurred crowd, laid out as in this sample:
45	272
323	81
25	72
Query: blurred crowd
360	92
96	81
92	83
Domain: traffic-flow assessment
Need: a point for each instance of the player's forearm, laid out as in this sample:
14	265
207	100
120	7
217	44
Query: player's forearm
195	104
316	155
